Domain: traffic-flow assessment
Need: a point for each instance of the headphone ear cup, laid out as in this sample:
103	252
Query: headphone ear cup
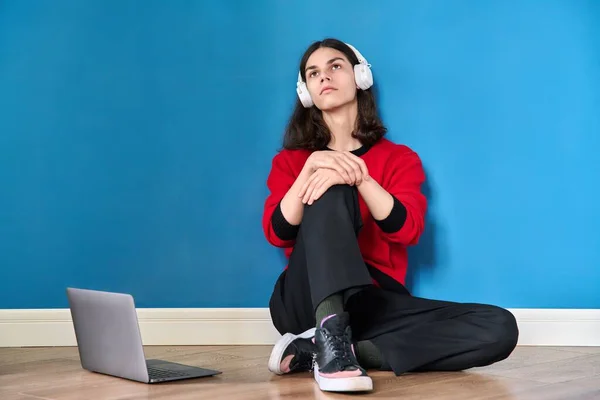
363	76
303	94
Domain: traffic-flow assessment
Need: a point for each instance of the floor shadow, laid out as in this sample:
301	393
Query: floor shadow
424	257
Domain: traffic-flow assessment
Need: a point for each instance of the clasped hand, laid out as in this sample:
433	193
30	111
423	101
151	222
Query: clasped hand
330	168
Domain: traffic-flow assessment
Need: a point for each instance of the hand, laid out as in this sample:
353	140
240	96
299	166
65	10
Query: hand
352	168
318	183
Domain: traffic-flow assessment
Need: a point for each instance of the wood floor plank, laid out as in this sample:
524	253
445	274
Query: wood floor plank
578	389
456	386
527	356
530	373
584	366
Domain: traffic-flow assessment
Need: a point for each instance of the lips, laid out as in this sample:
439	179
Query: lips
327	89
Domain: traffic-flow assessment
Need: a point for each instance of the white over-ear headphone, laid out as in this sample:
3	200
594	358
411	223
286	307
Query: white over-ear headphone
362	75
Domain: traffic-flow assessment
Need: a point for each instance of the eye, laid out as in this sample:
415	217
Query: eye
336	66
312	74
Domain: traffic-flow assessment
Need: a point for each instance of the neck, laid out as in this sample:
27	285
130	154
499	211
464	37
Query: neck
341	123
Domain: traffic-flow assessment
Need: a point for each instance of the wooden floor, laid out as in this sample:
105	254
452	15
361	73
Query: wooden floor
530	373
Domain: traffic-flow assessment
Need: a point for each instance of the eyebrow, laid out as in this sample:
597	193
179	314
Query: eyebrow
328	62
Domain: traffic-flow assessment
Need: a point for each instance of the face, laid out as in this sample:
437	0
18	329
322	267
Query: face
330	79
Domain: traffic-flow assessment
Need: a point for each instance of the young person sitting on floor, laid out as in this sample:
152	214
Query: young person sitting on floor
345	203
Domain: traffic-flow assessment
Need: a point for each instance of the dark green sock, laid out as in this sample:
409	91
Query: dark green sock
369	356
333	304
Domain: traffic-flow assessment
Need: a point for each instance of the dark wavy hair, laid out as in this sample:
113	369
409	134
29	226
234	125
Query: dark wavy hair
306	128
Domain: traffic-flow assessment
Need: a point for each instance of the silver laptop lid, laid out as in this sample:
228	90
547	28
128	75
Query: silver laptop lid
107	333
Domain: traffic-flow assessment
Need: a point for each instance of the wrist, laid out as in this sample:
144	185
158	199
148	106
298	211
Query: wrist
364	183
307	171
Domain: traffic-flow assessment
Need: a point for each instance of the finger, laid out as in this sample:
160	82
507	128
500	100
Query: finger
336	165
317	191
306	184
311	188
307	195
308	192
363	167
350	169
361	163
326	184
355	167
343	161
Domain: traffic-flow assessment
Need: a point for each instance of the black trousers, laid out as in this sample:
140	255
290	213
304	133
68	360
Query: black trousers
412	333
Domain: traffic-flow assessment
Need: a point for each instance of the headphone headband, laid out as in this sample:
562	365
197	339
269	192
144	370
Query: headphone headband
361	59
362	75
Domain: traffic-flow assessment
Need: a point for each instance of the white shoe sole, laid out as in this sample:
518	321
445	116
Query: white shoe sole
352	384
282	344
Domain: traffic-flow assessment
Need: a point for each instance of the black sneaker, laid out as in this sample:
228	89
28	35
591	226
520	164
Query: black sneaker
336	368
293	353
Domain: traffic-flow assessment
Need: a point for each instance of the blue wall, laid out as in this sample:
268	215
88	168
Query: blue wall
136	137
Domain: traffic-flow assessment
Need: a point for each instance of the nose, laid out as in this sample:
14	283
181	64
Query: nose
324	77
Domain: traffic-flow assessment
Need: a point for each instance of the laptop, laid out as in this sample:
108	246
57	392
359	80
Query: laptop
109	339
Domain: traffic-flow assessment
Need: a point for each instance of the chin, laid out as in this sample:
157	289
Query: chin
328	107
330	104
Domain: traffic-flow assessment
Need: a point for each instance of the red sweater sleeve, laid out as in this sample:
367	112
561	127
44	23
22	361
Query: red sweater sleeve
278	231
403	181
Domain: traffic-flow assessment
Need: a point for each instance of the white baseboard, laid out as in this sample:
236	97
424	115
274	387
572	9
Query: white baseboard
252	326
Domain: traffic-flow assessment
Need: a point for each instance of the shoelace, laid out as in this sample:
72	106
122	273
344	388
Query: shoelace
339	346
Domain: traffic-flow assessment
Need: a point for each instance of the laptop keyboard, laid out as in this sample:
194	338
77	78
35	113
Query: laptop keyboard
158	373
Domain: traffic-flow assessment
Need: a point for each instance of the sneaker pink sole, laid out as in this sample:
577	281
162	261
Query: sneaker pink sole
346	384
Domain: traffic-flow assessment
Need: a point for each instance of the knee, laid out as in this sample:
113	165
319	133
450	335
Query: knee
336	192
336	197
340	190
336	206
503	333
